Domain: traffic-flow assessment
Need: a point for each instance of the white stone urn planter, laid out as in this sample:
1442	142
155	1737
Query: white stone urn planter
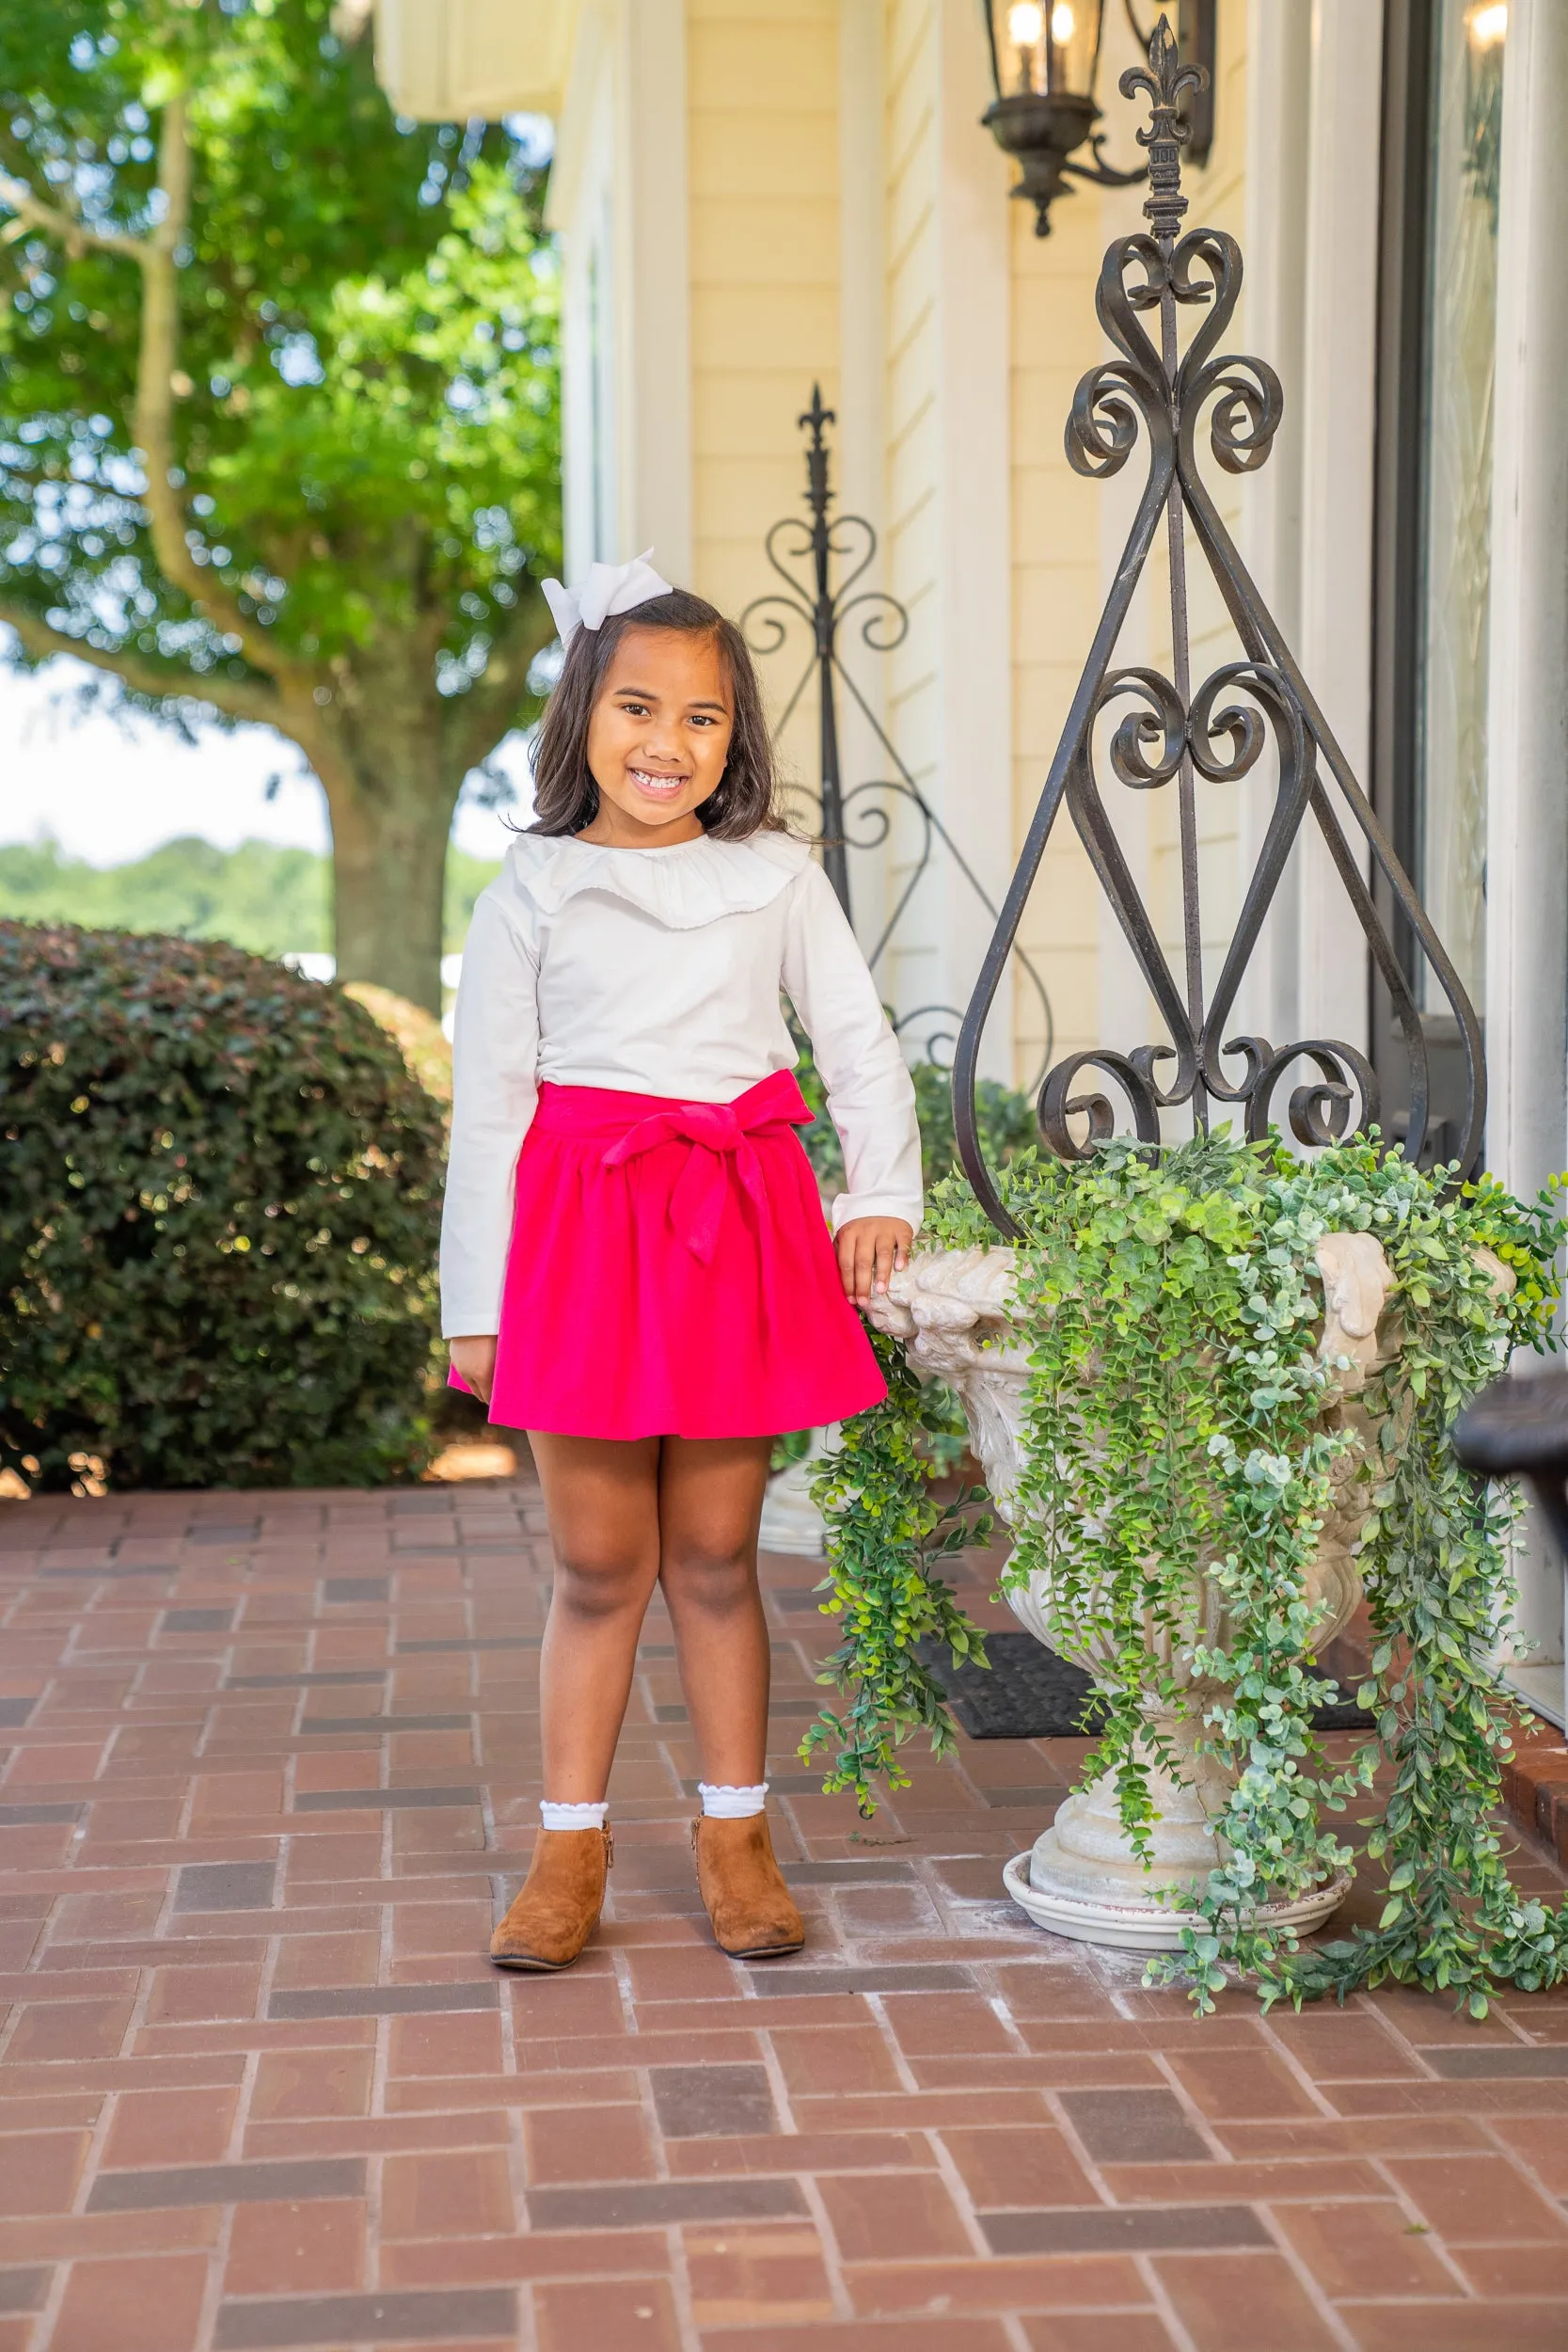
953	1310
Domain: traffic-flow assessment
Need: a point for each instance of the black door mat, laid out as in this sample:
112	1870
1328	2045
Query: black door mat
1028	1692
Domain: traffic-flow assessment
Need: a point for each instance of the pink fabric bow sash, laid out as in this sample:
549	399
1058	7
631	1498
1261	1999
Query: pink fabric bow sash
714	1132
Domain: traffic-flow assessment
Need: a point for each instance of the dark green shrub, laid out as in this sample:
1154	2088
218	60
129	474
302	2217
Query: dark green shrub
1004	1118
219	1198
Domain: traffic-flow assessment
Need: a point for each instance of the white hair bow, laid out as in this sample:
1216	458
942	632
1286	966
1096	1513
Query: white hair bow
609	588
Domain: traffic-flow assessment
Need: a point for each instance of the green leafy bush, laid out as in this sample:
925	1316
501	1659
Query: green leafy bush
219	1198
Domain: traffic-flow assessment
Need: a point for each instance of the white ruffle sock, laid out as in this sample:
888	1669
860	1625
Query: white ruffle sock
728	1803
572	1816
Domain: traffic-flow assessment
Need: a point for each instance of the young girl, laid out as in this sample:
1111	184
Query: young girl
635	1267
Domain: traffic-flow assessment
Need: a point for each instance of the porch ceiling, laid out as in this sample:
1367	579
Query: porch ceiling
447	60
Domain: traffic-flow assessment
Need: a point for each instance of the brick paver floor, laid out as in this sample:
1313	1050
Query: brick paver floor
271	1772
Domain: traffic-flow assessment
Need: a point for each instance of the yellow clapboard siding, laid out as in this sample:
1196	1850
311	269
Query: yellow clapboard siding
799	321
783	240
762	140
734	155
821	13
753	412
738	497
738	62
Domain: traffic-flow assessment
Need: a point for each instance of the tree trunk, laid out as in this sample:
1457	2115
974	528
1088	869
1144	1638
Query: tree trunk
389	834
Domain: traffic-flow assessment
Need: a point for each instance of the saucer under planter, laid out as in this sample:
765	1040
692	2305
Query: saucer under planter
1145	1926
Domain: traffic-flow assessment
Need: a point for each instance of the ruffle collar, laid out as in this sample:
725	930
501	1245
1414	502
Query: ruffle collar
683	888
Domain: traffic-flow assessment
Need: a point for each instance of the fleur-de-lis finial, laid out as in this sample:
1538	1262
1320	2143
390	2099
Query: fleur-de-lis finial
1163	80
818	495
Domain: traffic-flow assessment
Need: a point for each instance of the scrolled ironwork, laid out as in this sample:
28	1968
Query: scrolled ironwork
1164	722
1319	1111
1133	1074
1104	430
821	563
1166	735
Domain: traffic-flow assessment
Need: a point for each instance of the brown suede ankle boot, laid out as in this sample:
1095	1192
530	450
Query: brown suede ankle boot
558	1905
748	1902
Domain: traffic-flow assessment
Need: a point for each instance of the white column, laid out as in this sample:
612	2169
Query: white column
581	209
1338	408
1273	324
653	291
1527	844
973	584
861	449
862	261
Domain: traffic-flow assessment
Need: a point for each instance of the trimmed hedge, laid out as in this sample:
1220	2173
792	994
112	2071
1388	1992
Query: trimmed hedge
219	1202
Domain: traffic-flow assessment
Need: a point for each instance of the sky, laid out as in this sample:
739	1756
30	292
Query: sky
110	790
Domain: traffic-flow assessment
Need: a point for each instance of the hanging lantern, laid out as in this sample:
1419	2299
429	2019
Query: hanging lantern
1044	62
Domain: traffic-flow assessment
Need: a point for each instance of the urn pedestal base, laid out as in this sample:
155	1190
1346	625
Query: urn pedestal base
1142	1927
1084	1878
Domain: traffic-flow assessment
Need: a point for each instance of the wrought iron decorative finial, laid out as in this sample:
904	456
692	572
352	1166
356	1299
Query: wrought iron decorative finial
861	820
819	497
1165	734
1164	80
814	419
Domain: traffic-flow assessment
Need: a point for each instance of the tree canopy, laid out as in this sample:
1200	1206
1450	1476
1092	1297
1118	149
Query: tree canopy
278	417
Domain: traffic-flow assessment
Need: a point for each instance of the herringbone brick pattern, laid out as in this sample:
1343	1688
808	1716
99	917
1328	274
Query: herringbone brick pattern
272	1768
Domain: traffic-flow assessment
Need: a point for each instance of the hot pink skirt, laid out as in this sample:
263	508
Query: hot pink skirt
671	1274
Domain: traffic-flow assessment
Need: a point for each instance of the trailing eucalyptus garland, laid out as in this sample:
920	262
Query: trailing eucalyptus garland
1175	1421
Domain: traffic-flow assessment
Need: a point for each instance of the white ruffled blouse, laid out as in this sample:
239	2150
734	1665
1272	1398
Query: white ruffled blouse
658	972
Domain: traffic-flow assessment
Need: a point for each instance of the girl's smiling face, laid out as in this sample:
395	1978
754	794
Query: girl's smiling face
659	738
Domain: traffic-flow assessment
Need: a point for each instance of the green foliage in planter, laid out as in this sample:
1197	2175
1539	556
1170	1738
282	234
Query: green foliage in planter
219	1198
1173	1303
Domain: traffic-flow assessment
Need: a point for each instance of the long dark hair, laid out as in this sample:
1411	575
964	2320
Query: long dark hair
566	795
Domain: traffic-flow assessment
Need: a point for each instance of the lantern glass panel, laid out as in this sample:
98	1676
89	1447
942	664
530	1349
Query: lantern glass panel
1046	46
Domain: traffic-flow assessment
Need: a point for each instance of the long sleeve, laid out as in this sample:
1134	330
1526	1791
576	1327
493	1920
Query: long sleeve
495	1092
870	1092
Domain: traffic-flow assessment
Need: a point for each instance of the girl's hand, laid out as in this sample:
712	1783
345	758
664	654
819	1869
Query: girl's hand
869	1249
474	1361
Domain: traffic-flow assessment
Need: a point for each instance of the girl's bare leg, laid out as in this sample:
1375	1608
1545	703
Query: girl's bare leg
711	1494
602	1495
